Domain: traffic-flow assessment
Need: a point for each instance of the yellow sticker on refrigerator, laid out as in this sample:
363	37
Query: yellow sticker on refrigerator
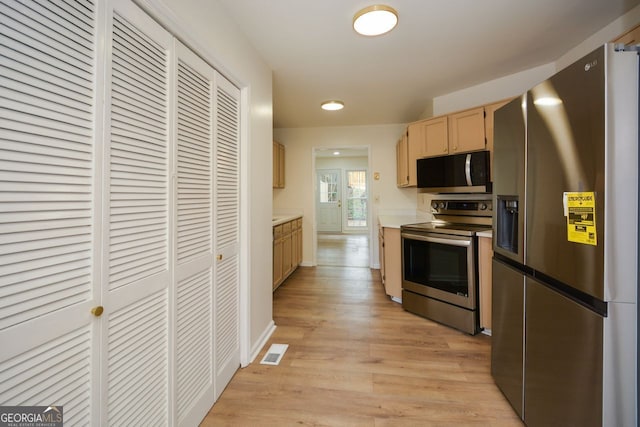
580	209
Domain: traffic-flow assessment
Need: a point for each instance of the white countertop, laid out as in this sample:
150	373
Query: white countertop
278	219
395	221
488	233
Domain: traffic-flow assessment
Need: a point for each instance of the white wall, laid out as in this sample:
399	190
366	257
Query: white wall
491	91
343	163
608	33
517	84
298	195
205	27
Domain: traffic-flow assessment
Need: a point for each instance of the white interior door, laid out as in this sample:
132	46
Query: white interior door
49	230
137	268
329	200
194	261
227	232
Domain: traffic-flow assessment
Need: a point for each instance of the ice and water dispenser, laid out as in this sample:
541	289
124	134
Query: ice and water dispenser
507	223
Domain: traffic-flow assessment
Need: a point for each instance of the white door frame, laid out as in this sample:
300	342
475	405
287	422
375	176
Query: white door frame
314	184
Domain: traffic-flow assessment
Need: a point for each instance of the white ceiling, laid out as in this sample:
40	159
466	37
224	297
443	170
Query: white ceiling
439	46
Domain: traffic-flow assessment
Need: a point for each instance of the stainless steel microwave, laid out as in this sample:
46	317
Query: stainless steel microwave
457	173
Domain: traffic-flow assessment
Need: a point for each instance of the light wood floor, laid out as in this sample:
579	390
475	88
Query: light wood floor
355	358
345	250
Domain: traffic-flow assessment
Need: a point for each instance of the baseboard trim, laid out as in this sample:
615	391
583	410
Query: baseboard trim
255	349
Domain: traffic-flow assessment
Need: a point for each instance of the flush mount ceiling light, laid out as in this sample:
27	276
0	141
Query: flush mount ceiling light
375	20
332	105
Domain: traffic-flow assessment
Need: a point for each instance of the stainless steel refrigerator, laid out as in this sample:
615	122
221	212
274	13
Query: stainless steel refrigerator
565	267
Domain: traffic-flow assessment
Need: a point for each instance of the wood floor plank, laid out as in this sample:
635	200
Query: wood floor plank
356	358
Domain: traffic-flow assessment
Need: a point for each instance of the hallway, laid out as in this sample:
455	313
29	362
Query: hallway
345	250
355	358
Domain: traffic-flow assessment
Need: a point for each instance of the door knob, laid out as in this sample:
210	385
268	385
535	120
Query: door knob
97	311
219	257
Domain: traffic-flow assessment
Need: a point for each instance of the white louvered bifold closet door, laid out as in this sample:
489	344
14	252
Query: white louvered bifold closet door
47	211
227	232
193	291
137	271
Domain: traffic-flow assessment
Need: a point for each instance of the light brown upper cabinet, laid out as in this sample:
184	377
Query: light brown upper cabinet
426	138
402	161
435	137
460	132
278	165
630	37
466	131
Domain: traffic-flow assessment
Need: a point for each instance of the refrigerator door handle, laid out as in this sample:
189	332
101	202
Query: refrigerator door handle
467	170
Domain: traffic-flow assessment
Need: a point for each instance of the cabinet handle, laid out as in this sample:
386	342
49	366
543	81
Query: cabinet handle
97	311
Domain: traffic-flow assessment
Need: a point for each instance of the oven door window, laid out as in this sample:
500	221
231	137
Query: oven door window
437	265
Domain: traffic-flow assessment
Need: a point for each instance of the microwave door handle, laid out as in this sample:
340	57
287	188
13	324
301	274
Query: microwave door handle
467	170
453	242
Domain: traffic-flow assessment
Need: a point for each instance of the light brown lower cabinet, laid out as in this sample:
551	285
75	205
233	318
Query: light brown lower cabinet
287	250
485	254
391	261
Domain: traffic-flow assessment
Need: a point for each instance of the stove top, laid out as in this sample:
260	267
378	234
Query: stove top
447	228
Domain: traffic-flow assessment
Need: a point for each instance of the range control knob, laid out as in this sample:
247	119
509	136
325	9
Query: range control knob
434	205
442	205
483	206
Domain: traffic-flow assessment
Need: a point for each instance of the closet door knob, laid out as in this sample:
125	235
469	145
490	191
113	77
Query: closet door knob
97	311
219	257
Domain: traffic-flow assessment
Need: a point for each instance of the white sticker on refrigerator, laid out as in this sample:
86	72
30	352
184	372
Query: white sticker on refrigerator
581	217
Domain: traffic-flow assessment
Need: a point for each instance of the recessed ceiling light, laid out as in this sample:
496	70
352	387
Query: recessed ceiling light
336	153
332	105
375	20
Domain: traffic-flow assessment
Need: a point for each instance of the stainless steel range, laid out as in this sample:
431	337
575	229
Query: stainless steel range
440	263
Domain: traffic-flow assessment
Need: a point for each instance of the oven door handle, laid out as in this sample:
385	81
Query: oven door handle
463	241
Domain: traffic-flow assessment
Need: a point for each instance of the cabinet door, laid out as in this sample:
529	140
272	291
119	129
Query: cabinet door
276	165
277	261
381	253
485	254
286	254
415	150
393	262
299	254
281	166
466	131
402	162
435	134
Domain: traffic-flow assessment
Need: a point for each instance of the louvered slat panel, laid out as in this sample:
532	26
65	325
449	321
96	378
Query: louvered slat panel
53	373
137	362
138	157
194	164
194	340
227	319
46	146
227	169
227	232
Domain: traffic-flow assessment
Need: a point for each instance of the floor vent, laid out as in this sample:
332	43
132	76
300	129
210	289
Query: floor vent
274	355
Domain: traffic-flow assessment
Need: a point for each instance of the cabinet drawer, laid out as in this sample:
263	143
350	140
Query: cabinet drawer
277	231
286	228
299	223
